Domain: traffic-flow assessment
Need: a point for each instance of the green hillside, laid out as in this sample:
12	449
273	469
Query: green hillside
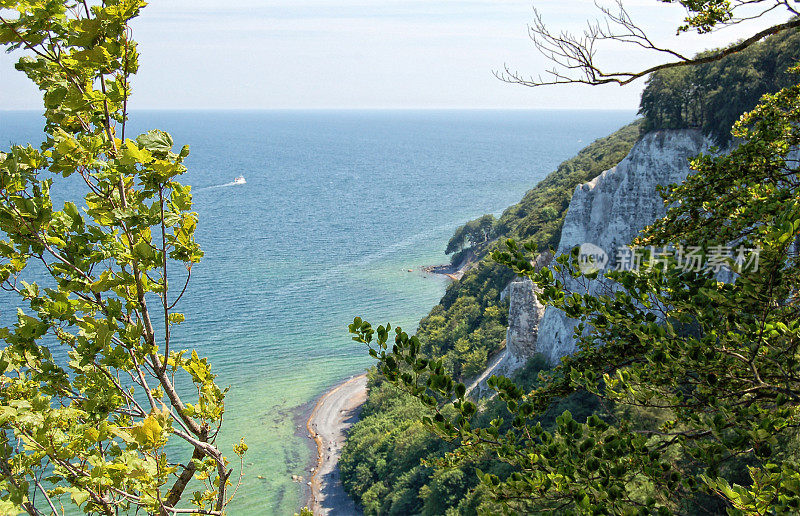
389	464
380	465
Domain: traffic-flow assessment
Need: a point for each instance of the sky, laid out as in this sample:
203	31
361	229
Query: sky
367	54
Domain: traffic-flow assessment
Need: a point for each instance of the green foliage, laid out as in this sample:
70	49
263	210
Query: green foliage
88	382
475	233
697	381
389	464
464	334
704	15
712	96
380	466
469	324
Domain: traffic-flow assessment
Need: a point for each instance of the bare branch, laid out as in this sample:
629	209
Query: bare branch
574	55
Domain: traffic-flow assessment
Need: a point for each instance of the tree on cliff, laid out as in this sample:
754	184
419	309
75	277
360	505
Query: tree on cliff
474	232
89	384
697	382
712	96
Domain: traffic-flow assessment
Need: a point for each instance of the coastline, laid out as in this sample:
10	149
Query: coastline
450	271
334	413
453	271
327	423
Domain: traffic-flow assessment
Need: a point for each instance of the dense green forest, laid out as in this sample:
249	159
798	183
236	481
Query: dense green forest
712	96
391	464
380	465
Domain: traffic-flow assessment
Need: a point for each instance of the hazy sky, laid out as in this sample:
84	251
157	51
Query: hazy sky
265	54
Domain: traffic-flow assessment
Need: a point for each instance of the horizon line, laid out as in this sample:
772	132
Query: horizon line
29	110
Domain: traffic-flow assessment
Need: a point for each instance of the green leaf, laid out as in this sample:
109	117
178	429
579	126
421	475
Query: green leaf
10	508
79	497
149	433
156	141
72	211
143	250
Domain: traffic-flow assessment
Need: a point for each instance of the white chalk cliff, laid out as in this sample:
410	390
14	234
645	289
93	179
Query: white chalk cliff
609	211
524	319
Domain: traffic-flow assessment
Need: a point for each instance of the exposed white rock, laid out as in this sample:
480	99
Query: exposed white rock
525	313
613	208
608	212
524	316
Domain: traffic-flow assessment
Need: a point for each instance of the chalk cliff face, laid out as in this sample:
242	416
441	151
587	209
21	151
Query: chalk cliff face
524	315
609	212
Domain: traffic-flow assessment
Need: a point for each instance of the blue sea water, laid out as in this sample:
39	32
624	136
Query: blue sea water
338	205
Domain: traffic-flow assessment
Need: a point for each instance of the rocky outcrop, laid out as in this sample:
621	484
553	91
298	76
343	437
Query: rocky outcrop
524	315
608	212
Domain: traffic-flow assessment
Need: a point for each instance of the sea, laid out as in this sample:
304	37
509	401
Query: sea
339	213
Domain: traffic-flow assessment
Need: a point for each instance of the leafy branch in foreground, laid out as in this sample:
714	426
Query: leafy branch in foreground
89	385
719	362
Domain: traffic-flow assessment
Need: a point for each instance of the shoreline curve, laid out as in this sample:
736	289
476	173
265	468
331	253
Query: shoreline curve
334	413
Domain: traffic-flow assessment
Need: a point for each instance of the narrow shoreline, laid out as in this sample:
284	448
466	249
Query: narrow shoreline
334	413
454	272
445	270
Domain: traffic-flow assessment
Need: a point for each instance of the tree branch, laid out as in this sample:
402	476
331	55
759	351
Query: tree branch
573	55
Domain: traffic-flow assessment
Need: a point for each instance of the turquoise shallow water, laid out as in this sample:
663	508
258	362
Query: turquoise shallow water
337	207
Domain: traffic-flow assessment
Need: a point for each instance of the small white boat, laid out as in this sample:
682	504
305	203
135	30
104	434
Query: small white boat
239	180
